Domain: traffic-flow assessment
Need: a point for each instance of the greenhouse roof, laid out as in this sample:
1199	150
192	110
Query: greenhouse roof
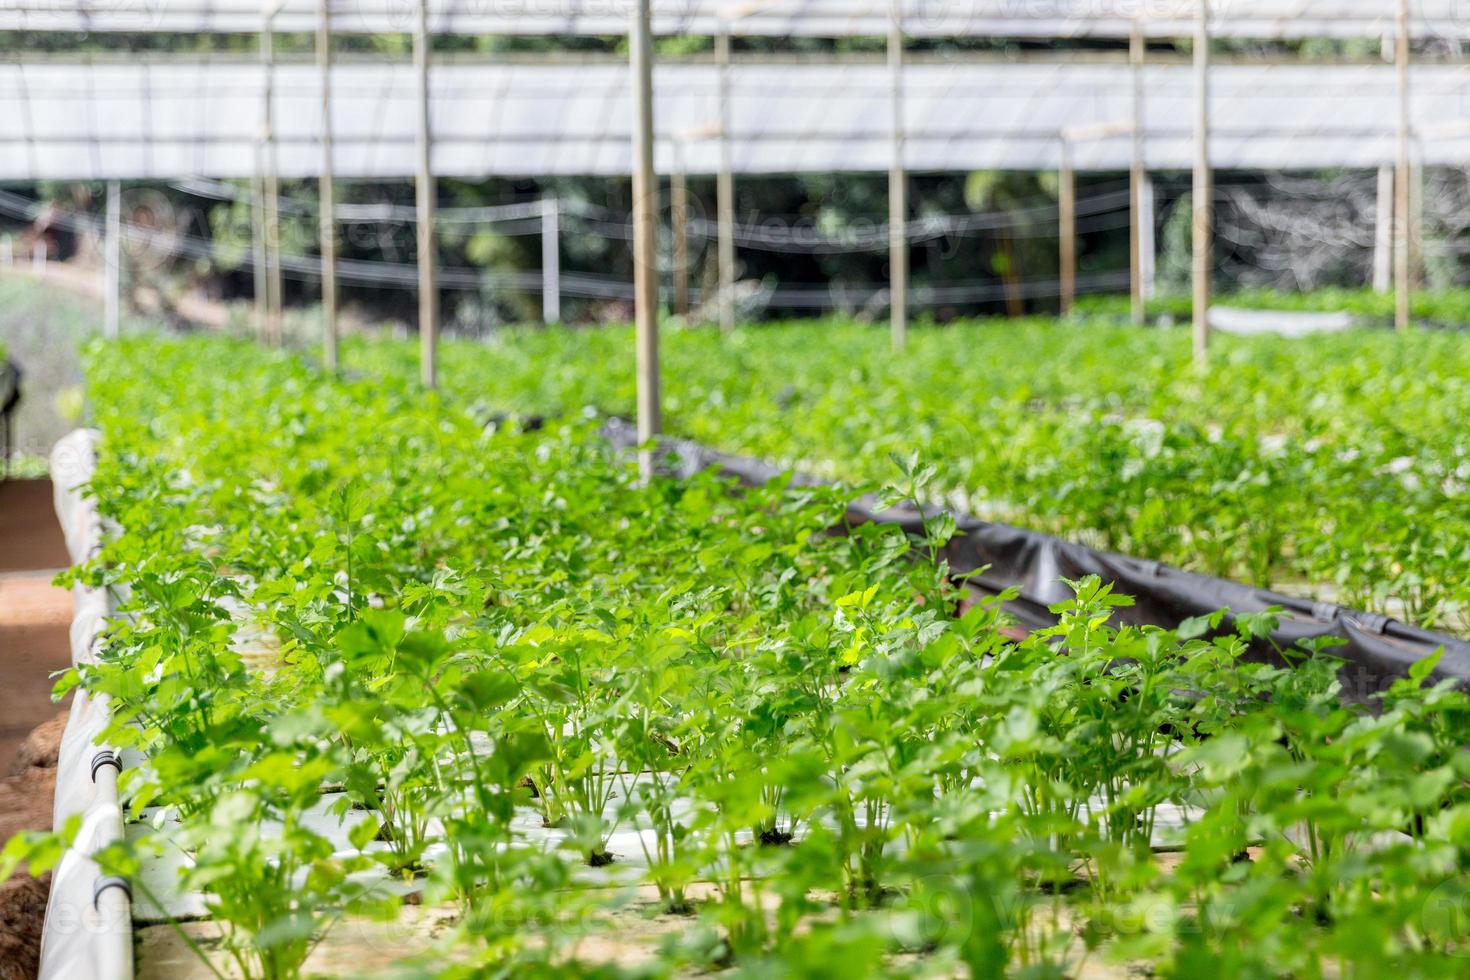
812	18
137	120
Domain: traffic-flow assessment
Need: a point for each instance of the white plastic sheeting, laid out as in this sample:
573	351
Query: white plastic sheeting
89	929
1229	319
132	120
811	18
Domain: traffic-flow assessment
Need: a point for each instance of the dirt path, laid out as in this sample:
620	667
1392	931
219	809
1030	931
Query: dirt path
35	617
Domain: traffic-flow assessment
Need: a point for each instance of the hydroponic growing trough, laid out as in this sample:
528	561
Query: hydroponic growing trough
88	929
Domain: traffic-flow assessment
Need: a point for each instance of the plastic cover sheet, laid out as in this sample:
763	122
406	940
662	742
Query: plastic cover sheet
113	119
812	18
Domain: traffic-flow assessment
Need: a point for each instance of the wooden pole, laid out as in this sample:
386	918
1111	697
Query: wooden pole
1383	238
425	200
326	192
645	244
1067	228
725	193
550	260
898	208
1401	198
679	220
1203	189
112	261
1136	53
271	186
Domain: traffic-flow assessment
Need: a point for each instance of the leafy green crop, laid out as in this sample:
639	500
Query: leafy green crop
1335	466
492	654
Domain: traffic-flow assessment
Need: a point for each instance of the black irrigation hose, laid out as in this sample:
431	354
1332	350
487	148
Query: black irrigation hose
992	557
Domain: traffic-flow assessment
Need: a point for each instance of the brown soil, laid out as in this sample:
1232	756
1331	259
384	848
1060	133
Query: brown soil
34	620
41	747
35	617
25	801
25	804
22	912
30	538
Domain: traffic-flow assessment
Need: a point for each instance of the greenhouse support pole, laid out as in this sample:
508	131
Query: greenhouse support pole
725	192
1203	191
271	186
645	242
550	260
112	262
424	188
1136	53
326	192
679	226
1383	232
1067	228
1383	239
898	241
1401	195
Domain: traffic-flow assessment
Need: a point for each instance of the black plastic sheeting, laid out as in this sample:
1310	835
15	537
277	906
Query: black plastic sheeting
1376	651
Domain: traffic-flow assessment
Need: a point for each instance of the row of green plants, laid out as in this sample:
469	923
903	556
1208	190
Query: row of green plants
839	762
1335	467
1441	307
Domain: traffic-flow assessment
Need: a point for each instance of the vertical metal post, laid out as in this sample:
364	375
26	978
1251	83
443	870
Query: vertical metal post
1203	189
325	190
1136	53
725	192
1383	232
1401	198
898	205
270	185
425	200
645	254
1067	228
679	222
112	262
550	260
